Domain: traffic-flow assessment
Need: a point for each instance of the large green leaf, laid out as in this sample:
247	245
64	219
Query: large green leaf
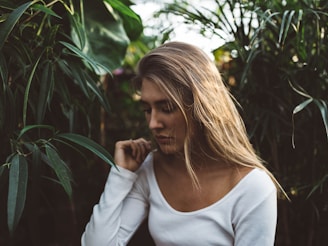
7	26
89	144
106	40
18	175
131	21
59	166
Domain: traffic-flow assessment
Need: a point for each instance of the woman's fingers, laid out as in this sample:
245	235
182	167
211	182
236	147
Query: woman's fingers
140	148
131	153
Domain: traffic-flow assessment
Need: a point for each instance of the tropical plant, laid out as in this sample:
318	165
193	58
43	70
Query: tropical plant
275	63
53	56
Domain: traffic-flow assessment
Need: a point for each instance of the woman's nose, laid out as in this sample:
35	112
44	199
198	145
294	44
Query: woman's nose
154	121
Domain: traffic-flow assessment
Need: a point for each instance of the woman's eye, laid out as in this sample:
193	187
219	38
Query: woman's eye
168	109
146	110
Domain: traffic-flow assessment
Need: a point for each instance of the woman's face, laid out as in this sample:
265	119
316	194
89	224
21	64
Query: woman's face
164	118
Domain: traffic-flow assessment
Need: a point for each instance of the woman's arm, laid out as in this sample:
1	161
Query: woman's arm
119	212
255	211
257	225
120	209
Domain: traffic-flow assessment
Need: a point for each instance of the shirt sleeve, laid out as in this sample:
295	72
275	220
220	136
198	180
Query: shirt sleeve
120	211
257	216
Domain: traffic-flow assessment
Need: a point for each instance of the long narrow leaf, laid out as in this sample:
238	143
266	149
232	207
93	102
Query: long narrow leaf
299	90
324	113
7	26
89	144
46	10
79	77
297	109
30	127
319	184
46	83
96	90
3	70
282	27
27	89
78	31
60	168
18	174
285	24
95	65
302	105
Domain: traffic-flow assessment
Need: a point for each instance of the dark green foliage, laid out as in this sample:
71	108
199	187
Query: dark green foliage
53	55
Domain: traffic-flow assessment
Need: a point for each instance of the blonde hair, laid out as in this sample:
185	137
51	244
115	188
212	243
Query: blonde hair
193	82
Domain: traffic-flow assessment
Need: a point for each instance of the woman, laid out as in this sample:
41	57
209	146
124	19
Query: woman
203	184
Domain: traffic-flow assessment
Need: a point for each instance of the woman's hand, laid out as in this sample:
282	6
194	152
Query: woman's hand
130	154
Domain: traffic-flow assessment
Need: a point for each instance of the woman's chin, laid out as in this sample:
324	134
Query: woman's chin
169	150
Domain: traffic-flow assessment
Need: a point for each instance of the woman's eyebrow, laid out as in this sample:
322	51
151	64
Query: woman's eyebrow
157	103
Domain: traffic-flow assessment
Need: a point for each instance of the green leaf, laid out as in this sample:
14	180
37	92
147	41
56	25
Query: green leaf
30	127
131	21
59	166
78	31
96	90
319	185
299	90
36	161
7	26
46	90
123	9
27	89
285	24
3	70
10	107
106	39
297	109
78	76
86	83
324	113
97	67
46	10
302	105
18	175
89	144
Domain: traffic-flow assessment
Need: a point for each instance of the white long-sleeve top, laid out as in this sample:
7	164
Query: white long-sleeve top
246	216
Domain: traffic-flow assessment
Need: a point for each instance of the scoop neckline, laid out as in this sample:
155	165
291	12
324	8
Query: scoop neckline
217	203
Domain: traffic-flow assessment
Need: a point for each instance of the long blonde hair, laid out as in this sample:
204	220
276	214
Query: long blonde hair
193	82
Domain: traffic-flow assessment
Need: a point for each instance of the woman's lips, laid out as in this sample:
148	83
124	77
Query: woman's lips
163	139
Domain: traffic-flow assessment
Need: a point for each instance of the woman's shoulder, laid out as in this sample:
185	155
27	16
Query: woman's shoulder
147	164
259	176
146	171
256	184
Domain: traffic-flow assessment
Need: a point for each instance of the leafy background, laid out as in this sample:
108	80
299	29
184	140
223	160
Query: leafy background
65	99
